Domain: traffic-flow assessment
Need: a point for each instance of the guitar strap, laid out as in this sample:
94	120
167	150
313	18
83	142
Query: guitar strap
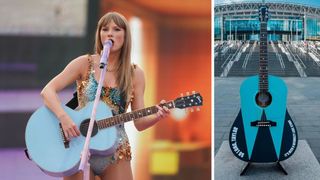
73	103
122	105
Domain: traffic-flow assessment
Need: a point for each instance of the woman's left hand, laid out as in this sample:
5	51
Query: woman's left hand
163	111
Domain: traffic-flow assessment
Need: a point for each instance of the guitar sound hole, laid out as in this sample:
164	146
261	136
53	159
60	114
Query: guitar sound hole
84	128
263	99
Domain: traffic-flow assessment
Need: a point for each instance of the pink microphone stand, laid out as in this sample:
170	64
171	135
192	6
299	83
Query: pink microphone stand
85	155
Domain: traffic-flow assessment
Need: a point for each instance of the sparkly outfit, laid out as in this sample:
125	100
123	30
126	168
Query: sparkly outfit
86	90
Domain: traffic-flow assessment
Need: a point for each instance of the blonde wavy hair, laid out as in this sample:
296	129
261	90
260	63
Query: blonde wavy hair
124	73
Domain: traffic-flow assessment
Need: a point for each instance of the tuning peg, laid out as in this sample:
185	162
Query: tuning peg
181	94
191	110
193	92
198	109
188	93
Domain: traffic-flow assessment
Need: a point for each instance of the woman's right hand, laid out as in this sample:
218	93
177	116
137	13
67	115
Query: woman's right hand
70	129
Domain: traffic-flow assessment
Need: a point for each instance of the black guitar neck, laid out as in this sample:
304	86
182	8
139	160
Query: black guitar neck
263	59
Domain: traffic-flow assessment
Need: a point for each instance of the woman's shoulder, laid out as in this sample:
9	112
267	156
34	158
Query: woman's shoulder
84	61
81	64
86	58
137	71
138	75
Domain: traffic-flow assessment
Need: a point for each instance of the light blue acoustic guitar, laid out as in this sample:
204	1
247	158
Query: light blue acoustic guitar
49	149
263	130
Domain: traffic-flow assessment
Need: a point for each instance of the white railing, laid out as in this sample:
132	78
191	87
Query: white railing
231	59
279	57
248	56
315	58
298	66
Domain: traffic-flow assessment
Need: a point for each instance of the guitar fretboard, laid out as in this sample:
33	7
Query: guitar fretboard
125	117
263	61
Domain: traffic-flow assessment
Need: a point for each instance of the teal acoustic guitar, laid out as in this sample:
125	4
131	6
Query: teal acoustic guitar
263	130
49	149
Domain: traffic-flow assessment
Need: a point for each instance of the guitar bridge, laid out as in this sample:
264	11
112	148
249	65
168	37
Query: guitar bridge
64	139
266	123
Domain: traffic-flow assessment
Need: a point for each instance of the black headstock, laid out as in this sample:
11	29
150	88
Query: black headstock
188	101
263	14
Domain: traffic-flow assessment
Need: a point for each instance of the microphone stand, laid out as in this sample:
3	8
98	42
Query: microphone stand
85	155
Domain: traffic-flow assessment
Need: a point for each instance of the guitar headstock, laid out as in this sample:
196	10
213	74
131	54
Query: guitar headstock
195	99
263	14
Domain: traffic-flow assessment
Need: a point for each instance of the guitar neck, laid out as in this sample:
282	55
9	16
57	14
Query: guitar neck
263	61
126	117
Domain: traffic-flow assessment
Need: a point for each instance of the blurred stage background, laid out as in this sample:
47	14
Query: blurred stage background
171	42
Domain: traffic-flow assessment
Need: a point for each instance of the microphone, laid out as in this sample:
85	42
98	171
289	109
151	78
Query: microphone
105	53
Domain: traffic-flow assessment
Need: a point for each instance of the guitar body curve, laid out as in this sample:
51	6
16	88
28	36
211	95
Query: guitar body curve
45	143
263	144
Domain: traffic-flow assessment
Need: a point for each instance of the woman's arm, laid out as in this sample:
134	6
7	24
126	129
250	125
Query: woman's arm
138	103
71	73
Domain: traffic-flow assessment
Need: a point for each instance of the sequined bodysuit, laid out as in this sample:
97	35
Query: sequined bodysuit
86	90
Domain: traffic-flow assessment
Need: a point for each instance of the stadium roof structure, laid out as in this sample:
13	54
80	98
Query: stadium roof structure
249	10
